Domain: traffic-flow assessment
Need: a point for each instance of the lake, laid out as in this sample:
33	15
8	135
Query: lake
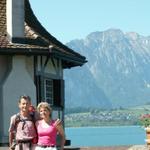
106	136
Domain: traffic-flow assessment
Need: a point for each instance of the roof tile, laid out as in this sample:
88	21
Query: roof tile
35	35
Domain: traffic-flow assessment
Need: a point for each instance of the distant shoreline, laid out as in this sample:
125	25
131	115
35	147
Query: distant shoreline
98	117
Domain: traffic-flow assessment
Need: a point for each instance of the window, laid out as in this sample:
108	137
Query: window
58	86
48	90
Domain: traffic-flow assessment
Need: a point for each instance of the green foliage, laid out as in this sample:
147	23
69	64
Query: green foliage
145	120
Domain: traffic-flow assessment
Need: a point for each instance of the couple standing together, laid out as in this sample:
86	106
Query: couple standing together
27	125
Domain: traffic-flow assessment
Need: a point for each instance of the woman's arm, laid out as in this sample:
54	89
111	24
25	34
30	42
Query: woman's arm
62	134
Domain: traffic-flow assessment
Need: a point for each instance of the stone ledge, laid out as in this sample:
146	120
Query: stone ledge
135	147
139	147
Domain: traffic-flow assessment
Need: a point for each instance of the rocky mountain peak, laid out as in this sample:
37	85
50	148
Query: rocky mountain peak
105	35
132	35
117	69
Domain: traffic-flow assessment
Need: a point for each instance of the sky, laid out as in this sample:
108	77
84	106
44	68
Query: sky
67	20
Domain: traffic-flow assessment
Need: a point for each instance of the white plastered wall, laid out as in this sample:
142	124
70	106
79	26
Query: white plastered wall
19	81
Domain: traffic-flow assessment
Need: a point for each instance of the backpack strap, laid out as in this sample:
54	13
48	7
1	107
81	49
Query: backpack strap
19	119
33	119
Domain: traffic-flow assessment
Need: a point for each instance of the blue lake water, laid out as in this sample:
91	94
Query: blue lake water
106	136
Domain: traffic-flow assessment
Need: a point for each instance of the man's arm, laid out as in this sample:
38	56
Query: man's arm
11	138
11	131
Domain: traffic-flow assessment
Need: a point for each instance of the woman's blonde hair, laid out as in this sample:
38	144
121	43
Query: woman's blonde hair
44	105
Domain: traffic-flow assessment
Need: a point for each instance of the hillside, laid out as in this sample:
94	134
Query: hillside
116	75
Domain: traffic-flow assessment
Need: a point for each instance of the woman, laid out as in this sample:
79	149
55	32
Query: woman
47	129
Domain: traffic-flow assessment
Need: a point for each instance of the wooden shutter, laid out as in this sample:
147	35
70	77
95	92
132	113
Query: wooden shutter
58	88
38	88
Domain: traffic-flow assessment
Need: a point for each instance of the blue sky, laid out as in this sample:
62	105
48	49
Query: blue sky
75	19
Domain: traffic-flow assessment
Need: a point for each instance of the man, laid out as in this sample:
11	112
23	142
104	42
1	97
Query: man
22	128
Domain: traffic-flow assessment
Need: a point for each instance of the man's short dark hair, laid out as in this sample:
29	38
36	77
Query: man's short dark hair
26	97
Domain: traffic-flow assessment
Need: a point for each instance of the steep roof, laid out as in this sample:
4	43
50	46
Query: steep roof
37	40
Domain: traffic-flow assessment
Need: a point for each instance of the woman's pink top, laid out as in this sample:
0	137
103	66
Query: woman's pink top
46	135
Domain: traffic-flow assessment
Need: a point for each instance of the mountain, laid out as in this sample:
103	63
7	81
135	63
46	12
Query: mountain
117	73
